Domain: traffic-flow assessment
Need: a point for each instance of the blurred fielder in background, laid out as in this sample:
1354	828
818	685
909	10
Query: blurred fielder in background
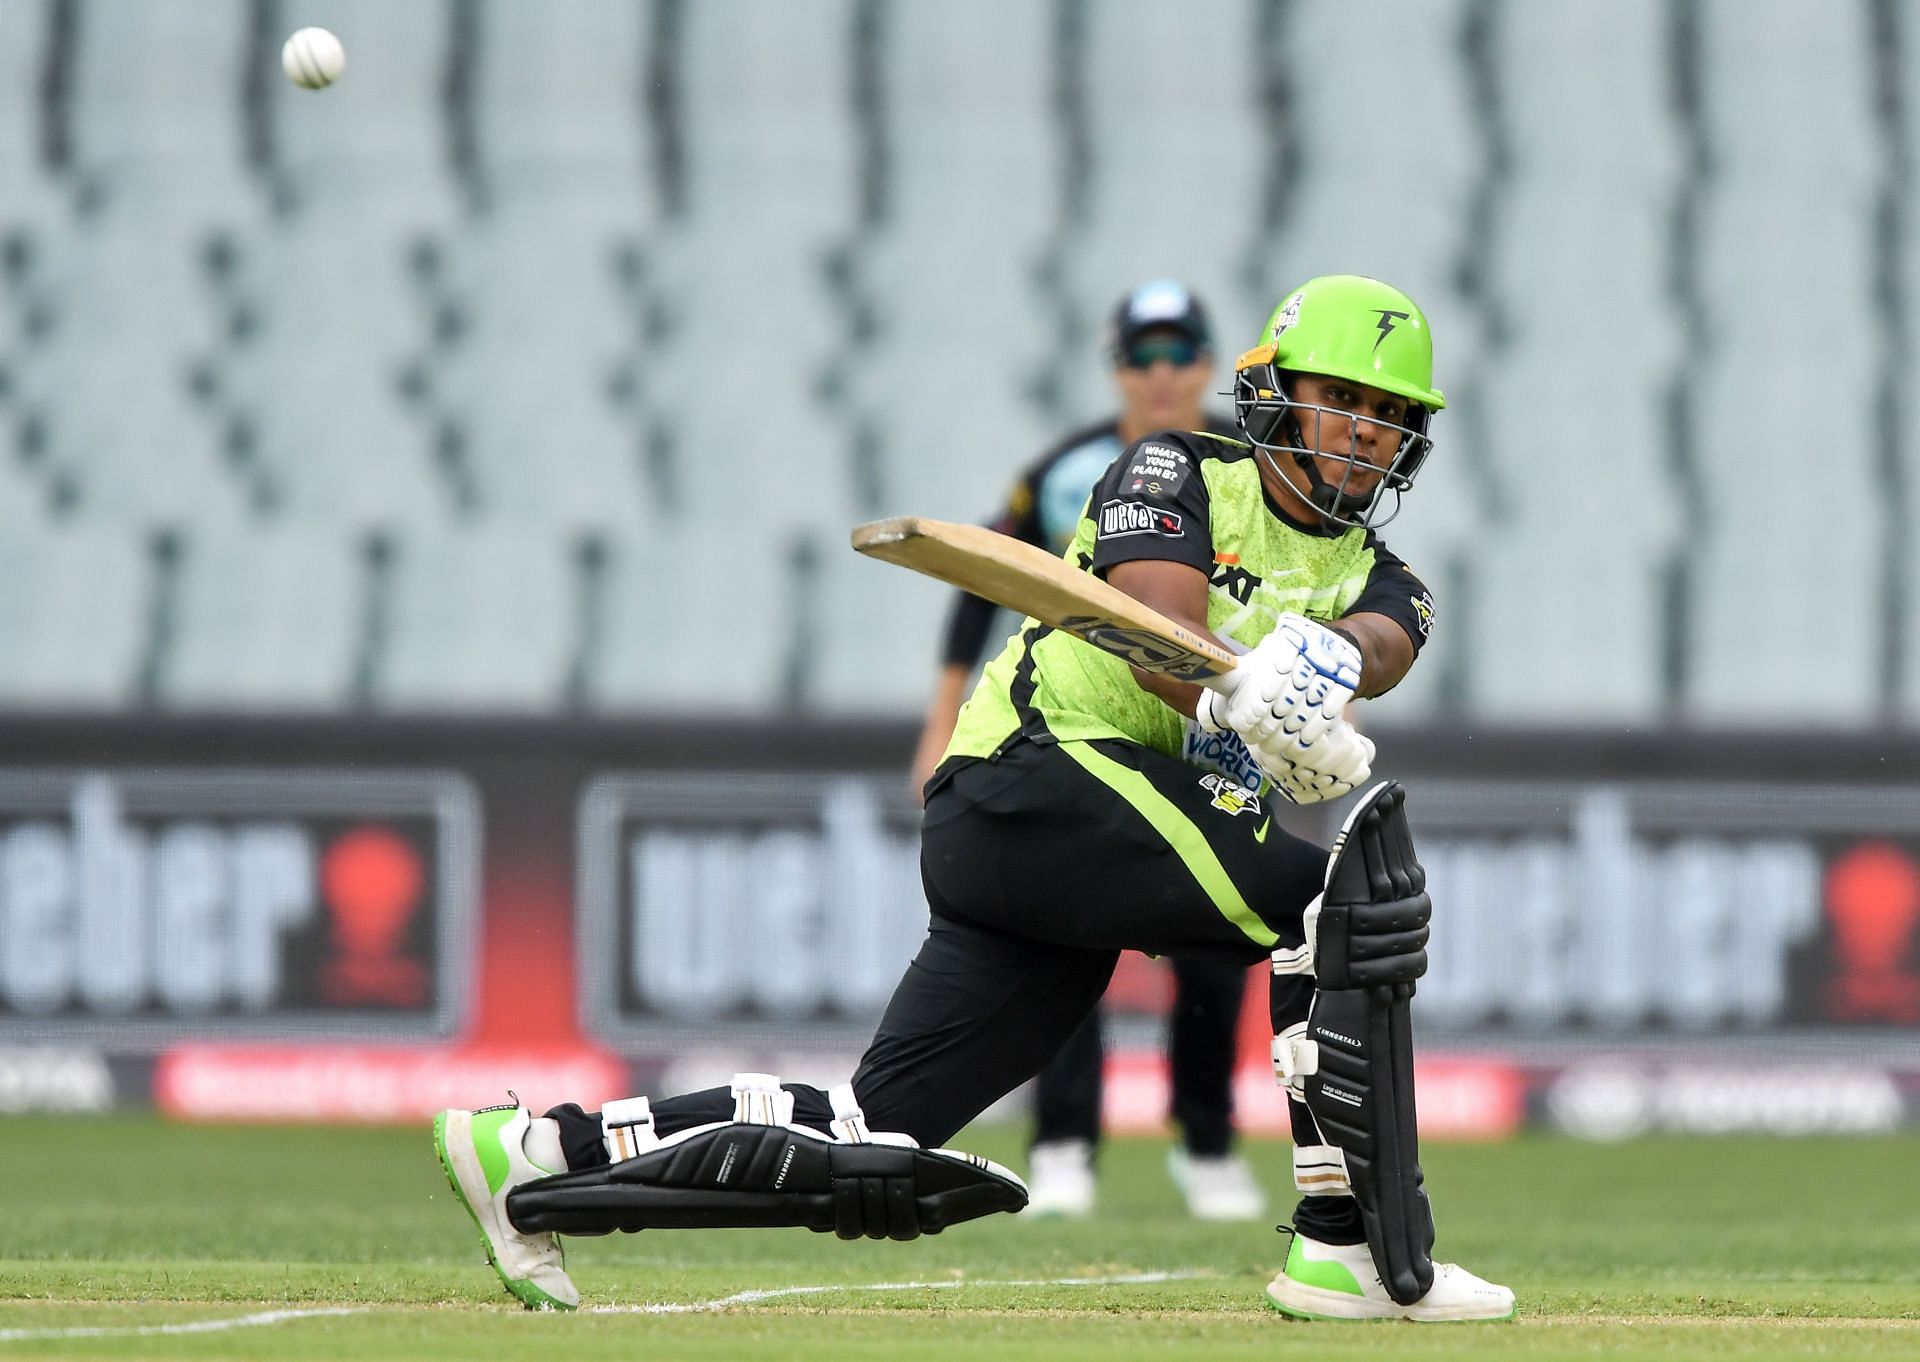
1085	807
1161	347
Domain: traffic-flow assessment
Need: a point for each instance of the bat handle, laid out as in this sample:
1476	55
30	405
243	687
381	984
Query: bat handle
1219	685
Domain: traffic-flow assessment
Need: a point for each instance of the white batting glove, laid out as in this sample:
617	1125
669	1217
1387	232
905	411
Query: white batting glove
1334	762
1294	683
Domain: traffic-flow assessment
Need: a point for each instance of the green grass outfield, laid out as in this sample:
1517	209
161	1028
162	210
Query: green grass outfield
1659	1248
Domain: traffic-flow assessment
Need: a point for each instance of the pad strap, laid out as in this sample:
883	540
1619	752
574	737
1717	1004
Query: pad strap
1299	959
758	1099
1294	1059
849	1122
1320	1170
628	1128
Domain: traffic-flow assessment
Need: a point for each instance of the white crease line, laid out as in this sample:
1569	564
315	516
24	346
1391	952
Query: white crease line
755	1297
208	1326
204	1326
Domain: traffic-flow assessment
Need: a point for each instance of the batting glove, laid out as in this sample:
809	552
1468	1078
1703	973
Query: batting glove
1334	762
1294	684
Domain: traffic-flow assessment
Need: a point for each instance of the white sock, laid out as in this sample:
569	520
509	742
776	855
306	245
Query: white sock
542	1145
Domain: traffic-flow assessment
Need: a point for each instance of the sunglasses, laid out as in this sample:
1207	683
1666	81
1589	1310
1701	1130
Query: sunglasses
1175	350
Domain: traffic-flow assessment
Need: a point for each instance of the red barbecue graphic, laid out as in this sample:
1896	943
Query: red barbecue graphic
372	880
1873	901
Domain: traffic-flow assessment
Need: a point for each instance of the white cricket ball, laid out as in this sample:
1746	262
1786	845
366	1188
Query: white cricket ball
313	58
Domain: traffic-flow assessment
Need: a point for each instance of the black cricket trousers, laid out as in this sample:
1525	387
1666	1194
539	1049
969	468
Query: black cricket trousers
1040	866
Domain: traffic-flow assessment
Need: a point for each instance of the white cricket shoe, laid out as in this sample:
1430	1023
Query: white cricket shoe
1217	1187
482	1154
1060	1179
1338	1281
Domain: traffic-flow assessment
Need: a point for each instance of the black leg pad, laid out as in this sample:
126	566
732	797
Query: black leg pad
1362	1100
1372	924
739	1174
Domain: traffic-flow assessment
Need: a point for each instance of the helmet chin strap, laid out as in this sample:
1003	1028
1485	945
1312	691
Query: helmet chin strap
1326	498
1321	495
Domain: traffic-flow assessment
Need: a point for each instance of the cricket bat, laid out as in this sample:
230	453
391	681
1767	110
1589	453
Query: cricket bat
1030	581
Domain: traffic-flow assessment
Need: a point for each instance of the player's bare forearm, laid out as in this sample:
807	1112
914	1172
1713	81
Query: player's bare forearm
1386	653
1180	593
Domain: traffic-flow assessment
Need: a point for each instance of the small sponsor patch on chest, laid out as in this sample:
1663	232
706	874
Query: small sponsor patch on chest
1229	796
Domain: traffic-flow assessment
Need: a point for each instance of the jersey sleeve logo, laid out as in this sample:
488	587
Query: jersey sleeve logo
1121	518
1157	468
1423	611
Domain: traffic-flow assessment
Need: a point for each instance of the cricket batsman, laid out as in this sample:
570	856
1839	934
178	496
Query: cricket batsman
1160	343
1085	807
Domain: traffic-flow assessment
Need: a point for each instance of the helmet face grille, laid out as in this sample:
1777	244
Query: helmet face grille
1272	422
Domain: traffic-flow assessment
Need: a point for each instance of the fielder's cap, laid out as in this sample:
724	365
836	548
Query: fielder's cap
1161	302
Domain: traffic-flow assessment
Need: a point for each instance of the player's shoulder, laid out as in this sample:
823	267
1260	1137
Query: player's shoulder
1167	463
1383	557
1215	442
1192	446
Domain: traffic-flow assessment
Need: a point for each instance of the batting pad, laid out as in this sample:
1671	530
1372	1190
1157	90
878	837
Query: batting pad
743	1173
1361	1098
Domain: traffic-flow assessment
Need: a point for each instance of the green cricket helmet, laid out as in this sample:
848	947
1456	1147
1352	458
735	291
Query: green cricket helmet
1341	326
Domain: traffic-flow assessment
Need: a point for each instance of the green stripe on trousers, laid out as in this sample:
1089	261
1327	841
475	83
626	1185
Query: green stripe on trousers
1187	841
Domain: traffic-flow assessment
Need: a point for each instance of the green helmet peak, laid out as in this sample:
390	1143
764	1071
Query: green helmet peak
1364	331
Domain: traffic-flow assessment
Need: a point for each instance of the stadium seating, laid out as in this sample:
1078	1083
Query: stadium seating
878	631
1155	146
154	91
685	620
477	617
1784	424
266	616
550	301
381	131
559	98
35	210
113	373
1383	185
737	273
1907	545
1581	506
972	181
151	164
548	324
362	186
74	615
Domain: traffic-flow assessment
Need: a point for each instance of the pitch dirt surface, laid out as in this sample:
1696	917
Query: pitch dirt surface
124	1237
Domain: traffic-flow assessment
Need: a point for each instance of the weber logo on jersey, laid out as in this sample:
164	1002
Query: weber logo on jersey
1157	469
1121	518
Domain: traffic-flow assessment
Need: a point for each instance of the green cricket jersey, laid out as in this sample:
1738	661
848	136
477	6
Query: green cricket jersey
1192	498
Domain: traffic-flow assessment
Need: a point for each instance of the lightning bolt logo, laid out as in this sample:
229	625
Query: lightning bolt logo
1387	320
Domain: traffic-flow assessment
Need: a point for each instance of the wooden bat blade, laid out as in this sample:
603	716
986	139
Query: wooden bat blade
1031	581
